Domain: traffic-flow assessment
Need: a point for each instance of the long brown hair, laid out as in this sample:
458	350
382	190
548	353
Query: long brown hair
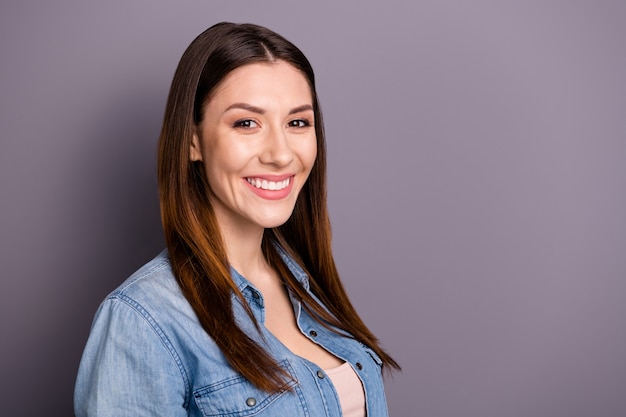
192	235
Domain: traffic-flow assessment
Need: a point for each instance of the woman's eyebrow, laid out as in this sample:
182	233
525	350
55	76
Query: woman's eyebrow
245	106
302	108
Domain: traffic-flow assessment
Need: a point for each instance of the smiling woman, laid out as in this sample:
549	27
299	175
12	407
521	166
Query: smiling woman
257	143
244	313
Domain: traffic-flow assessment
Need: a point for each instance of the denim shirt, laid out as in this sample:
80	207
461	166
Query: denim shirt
147	355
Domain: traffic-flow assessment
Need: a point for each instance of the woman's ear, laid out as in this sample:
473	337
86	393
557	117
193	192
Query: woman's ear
194	149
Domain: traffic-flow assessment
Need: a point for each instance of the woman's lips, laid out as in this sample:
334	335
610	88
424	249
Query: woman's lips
271	188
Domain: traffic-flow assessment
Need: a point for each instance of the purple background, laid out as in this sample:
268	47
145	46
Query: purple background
477	187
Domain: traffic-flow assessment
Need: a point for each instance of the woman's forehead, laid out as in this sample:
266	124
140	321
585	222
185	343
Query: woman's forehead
263	84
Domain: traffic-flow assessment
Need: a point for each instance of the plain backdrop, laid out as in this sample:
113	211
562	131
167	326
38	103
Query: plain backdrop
477	187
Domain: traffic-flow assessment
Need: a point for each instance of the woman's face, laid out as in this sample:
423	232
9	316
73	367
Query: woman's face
257	143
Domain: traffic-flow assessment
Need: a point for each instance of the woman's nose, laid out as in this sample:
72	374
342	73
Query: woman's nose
276	149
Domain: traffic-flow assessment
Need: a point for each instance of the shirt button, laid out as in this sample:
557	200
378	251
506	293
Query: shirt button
313	333
320	374
256	296
251	402
359	366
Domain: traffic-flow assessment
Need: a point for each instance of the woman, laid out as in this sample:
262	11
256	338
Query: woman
244	314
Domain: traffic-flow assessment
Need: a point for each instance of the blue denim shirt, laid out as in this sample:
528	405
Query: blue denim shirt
147	355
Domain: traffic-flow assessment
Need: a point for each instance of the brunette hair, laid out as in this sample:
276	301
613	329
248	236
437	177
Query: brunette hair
194	241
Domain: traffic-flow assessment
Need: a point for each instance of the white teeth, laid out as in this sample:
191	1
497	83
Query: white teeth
268	185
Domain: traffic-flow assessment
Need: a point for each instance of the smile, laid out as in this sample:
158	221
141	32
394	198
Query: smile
269	185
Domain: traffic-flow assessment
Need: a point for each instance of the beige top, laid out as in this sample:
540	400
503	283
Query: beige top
349	389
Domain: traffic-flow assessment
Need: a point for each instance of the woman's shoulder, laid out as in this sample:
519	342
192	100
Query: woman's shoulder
152	293
153	280
149	299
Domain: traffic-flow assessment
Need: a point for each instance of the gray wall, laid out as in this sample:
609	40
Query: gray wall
477	187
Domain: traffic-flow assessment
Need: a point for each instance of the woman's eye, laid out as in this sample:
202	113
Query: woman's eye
299	123
245	123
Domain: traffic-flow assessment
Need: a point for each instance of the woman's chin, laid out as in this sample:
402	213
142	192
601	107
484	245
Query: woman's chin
270	224
273	219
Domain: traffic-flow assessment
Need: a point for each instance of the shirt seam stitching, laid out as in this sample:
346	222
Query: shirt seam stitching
167	344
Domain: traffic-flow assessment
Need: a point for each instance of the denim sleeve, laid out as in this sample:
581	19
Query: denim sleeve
128	367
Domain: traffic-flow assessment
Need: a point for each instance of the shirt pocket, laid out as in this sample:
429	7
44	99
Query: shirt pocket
237	397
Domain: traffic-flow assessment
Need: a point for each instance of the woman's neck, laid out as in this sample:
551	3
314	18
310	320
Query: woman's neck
244	251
